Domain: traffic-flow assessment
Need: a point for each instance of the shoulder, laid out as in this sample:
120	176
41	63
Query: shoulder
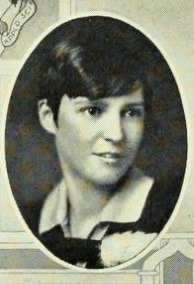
159	205
54	209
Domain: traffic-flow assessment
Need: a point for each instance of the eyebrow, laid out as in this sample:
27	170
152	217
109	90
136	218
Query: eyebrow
82	100
134	104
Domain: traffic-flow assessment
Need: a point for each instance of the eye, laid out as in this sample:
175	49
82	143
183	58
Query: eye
133	112
94	111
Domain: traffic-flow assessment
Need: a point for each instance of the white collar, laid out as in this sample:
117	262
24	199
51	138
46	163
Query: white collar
125	206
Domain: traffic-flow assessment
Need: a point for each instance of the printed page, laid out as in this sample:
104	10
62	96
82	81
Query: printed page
96	141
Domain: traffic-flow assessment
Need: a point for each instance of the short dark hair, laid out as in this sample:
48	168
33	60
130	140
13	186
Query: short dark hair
94	57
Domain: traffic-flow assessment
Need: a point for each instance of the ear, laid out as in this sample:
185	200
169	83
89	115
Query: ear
46	117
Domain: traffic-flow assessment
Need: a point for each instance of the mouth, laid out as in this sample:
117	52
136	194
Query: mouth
110	155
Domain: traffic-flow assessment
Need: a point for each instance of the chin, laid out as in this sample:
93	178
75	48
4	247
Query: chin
104	179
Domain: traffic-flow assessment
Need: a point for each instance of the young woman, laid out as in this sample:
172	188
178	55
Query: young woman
95	98
93	102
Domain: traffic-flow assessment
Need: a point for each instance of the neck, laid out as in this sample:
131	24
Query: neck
86	202
86	199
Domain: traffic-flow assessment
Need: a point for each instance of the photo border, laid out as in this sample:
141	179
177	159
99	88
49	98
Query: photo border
189	139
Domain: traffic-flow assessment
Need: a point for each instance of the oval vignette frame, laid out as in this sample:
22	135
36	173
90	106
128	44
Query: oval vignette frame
183	102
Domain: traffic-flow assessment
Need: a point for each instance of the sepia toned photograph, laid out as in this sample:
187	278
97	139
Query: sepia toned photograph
96	142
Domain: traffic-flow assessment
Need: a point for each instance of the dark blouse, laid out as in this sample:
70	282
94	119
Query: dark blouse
156	212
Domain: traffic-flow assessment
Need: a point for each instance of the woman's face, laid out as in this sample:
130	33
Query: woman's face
99	139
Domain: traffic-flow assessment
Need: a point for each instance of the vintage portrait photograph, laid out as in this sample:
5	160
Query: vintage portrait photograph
96	142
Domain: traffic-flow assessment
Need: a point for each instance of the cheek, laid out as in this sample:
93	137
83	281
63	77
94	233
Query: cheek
134	133
83	131
75	137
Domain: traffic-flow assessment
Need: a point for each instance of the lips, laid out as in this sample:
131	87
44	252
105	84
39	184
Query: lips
110	155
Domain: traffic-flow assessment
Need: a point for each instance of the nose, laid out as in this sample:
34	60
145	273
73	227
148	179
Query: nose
113	131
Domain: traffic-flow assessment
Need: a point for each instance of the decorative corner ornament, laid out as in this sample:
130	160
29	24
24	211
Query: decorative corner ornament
13	15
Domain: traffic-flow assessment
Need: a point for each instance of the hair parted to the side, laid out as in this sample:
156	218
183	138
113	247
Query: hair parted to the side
94	57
